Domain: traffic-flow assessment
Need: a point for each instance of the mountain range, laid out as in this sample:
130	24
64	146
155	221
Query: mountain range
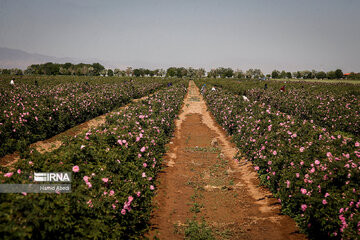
14	58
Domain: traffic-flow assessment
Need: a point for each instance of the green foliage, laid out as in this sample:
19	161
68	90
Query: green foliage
313	172
339	74
31	113
331	75
111	192
321	75
198	231
110	73
275	74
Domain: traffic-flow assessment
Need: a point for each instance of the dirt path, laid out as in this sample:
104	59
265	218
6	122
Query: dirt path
205	193
55	142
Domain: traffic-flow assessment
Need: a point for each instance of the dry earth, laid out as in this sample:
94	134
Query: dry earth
201	182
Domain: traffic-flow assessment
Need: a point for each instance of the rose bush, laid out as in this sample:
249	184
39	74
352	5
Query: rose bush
114	169
29	113
333	106
314	173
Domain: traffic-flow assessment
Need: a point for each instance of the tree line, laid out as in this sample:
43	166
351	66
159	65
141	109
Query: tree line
337	74
96	69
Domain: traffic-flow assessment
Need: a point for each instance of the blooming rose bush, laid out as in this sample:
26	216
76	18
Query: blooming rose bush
29	113
333	106
313	172
114	169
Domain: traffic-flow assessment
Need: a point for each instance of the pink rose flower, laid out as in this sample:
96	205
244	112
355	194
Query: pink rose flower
303	207
75	168
9	174
105	180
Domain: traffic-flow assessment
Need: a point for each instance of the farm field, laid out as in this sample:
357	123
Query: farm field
31	112
321	80
311	169
114	168
179	164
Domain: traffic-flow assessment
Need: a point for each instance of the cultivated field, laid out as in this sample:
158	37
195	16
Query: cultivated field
180	162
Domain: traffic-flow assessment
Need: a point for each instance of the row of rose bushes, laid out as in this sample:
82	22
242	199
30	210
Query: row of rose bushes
333	106
114	169
29	113
314	174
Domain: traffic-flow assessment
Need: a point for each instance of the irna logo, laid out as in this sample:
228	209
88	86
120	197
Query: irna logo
52	177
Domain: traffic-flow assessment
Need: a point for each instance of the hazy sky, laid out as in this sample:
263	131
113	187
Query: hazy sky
265	34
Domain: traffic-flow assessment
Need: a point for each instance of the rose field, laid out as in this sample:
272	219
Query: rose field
303	146
311	169
31	113
114	168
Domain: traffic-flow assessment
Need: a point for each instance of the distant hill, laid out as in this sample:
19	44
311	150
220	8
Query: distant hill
14	58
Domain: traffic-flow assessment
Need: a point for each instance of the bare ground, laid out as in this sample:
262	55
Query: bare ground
201	182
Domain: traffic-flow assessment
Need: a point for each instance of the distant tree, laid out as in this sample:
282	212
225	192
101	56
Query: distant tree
275	74
171	72
200	72
129	71
299	74
64	71
191	72
110	72
321	75
339	73
313	73
6	71
97	68
282	74
117	72
306	74
220	72
137	72
212	73
146	72
84	69
353	75
288	75
228	73
50	68
249	73
161	72
103	72
331	75
16	71
239	74
257	73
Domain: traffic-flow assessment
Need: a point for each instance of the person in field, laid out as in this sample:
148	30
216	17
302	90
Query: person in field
12	82
169	84
203	89
265	87
213	89
282	89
